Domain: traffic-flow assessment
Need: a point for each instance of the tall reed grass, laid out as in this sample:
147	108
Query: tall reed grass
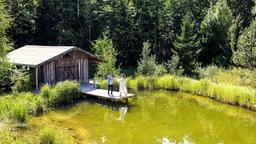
47	135
19	112
168	82
227	93
18	106
53	135
235	76
7	137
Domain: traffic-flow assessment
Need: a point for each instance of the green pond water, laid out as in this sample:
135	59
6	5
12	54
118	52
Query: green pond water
158	117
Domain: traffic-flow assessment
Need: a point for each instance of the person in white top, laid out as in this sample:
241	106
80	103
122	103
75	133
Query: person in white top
122	88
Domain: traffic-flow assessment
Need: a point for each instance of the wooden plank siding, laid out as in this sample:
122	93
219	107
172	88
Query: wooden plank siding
47	73
83	70
70	66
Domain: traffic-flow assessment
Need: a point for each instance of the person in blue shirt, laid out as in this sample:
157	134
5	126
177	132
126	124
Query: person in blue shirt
110	84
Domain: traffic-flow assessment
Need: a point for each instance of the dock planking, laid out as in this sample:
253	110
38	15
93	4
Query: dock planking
89	89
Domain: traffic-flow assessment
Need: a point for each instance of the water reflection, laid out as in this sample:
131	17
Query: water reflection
166	141
122	112
185	140
180	118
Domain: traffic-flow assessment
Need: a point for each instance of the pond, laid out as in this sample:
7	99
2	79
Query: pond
158	117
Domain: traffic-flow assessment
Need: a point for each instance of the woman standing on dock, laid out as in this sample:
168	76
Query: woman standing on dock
122	88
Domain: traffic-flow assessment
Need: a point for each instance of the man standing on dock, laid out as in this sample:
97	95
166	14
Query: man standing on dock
110	84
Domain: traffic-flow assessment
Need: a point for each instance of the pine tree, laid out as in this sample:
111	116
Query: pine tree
105	50
215	35
147	64
186	45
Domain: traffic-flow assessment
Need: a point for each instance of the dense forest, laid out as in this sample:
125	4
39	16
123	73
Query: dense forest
219	32
193	47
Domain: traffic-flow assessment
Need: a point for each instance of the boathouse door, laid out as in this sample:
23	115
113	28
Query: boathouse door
66	70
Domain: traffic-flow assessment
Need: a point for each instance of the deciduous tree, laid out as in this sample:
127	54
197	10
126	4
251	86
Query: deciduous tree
245	55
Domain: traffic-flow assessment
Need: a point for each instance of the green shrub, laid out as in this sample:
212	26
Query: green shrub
245	54
207	72
65	92
45	91
174	67
21	80
160	70
52	135
6	71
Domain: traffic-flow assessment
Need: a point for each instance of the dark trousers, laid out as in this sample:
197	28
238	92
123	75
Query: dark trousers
110	88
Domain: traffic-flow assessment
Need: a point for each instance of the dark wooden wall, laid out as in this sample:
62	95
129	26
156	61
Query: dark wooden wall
70	66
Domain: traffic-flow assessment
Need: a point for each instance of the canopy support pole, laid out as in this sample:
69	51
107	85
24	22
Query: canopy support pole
37	87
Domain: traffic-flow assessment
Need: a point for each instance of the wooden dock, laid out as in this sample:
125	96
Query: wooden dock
89	89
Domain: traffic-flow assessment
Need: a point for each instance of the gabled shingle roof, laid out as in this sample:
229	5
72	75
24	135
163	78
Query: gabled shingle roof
33	55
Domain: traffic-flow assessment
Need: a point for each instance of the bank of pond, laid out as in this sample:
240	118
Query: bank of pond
162	111
226	93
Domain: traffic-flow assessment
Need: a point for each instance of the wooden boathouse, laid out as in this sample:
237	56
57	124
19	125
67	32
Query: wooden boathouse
51	64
